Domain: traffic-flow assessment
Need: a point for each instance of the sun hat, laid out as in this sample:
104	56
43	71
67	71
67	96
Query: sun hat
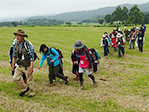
78	44
21	33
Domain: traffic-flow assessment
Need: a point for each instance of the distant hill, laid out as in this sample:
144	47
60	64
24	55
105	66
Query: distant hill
80	15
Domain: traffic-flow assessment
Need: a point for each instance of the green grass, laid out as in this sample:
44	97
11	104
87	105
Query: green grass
126	79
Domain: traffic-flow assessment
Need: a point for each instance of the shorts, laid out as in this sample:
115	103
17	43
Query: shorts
82	70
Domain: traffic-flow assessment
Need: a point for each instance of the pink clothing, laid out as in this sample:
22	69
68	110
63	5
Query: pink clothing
84	63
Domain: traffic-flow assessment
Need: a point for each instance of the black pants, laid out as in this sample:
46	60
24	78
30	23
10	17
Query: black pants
95	67
105	50
75	68
81	78
54	71
140	45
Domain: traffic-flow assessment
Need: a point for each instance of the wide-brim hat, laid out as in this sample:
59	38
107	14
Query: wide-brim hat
78	44
21	33
119	35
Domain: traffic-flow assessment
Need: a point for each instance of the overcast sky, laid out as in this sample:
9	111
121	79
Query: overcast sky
24	8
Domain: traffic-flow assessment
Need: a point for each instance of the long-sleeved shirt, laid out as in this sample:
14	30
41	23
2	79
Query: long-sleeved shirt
50	56
28	46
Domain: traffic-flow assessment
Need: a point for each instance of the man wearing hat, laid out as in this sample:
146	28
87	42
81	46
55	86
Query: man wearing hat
24	57
120	43
140	40
85	62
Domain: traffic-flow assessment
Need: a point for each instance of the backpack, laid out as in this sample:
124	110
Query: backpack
105	42
35	54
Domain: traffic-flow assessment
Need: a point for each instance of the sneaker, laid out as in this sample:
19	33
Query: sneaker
30	96
106	56
60	80
66	80
95	84
96	72
81	87
22	93
53	80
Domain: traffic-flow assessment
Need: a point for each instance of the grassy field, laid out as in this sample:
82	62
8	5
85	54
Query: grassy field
126	88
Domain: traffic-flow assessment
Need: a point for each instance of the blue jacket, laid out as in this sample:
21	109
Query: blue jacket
50	56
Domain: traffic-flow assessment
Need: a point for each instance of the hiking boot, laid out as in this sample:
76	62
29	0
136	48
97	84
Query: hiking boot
66	80
95	84
22	93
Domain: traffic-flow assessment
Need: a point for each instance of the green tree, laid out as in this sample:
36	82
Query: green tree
14	24
100	21
125	12
108	18
117	15
135	15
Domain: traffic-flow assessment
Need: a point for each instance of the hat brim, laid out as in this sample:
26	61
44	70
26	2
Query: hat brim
24	35
78	47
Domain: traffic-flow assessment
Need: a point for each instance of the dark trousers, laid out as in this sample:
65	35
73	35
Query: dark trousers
75	68
54	71
81	78
140	45
95	67
105	50
121	49
60	71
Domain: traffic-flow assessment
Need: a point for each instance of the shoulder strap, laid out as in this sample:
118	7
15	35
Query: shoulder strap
51	51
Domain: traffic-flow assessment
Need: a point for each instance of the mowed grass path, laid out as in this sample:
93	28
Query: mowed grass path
126	85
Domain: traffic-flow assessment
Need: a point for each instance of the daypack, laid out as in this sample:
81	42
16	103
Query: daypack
105	42
35	54
120	41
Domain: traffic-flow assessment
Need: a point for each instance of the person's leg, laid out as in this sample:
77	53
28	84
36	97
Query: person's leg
129	44
105	54
133	44
91	76
51	74
24	78
81	71
57	74
30	82
123	51
17	78
95	67
141	48
119	52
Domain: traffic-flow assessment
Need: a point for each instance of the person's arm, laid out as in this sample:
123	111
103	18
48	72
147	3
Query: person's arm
143	39
42	60
30	50
10	55
101	42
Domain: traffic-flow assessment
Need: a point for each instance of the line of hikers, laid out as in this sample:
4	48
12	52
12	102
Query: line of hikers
116	40
22	56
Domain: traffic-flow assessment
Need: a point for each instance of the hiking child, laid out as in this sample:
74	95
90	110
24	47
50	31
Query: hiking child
85	63
120	43
53	62
140	40
105	44
109	39
75	66
23	55
132	38
10	60
96	59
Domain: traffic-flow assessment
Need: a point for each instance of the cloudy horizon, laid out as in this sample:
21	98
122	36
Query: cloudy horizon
29	8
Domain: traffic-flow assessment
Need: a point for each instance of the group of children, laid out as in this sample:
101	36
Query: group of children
116	39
